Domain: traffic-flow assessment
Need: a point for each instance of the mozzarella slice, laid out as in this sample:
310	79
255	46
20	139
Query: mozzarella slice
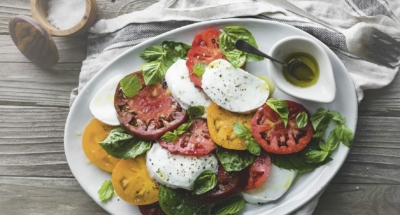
277	183
233	89
177	171
182	89
102	104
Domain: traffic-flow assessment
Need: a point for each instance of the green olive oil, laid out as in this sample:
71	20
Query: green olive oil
303	78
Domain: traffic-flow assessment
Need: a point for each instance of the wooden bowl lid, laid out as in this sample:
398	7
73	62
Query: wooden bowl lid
33	41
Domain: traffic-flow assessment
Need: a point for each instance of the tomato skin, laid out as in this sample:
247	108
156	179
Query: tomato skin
150	113
204	49
195	142
220	124
94	133
132	182
259	171
151	209
269	130
228	185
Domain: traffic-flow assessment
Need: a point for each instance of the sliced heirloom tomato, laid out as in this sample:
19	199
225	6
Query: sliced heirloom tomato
228	184
269	130
204	49
220	123
195	142
132	182
259	171
94	133
151	209
150	113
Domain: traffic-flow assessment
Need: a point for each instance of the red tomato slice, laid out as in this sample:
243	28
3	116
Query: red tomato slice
150	113
228	185
259	171
204	49
195	142
151	209
269	130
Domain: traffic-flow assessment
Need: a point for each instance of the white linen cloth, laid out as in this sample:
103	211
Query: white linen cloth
109	38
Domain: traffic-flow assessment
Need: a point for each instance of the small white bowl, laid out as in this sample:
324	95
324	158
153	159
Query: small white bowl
324	90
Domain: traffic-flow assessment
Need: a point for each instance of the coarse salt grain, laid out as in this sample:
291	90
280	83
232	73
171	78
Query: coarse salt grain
64	14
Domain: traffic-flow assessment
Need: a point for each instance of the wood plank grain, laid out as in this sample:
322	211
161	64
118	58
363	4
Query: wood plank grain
25	84
45	196
365	199
31	141
70	50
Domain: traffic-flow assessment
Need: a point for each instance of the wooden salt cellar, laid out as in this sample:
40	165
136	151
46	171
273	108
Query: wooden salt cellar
33	41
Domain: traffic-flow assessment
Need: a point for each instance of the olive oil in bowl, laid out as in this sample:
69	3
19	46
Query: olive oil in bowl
300	76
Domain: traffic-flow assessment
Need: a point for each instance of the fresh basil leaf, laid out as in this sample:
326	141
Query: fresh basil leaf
322	126
344	134
178	48
323	145
336	117
169	136
241	131
183	128
230	206
154	71
319	117
177	202
199	69
152	53
234	160
204	182
195	112
236	58
316	156
280	107
122	145
160	59
301	120
253	147
227	39
333	141
296	161
106	191
130	85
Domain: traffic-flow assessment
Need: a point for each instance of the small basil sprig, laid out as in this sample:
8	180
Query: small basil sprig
229	206
199	69
159	59
119	144
130	85
227	39
234	160
206	181
320	121
193	113
106	191
301	119
280	107
242	131
176	201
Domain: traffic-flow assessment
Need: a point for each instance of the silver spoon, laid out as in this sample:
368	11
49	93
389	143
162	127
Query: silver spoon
296	68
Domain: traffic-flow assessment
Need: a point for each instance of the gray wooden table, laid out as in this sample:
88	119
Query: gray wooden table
35	177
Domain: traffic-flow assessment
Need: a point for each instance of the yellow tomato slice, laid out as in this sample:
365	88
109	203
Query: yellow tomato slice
94	133
132	182
220	124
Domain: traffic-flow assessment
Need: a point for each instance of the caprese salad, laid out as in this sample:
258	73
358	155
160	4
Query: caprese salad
193	133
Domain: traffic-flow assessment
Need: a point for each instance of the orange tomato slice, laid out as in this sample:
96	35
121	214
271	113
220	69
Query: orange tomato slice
132	182
220	125
94	133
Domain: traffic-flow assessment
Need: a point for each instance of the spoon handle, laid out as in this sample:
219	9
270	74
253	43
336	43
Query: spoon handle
247	47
